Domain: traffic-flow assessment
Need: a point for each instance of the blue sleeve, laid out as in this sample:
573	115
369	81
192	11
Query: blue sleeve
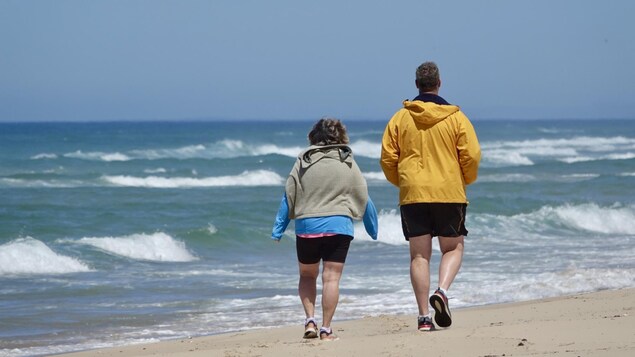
370	220
282	219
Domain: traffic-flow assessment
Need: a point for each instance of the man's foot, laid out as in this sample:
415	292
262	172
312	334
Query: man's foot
310	328
439	303
425	323
326	334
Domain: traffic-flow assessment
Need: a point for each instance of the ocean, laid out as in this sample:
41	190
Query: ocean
120	233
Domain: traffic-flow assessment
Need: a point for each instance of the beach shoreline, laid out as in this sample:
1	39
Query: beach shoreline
599	323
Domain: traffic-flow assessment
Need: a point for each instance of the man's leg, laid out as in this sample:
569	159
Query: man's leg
420	252
307	286
451	259
331	275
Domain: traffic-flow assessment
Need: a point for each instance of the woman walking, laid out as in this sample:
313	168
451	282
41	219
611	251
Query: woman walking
324	193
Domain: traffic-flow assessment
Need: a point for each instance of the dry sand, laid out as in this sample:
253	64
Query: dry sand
593	324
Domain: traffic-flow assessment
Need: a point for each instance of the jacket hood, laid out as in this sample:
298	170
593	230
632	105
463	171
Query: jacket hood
315	153
427	112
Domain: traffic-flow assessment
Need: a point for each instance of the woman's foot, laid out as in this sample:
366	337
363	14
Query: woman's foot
310	328
326	334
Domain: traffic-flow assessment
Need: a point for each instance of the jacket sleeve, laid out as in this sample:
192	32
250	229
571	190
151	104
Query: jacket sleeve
370	219
291	188
390	153
282	219
469	151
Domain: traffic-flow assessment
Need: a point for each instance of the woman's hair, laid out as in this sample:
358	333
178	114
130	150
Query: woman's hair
328	131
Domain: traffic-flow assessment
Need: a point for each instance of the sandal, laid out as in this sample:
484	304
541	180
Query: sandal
310	328
326	334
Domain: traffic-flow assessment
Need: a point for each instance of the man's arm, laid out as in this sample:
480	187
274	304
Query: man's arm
390	153
469	150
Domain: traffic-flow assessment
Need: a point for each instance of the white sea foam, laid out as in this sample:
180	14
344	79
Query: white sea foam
390	231
227	149
31	256
549	130
44	156
98	156
361	148
185	152
88	344
565	144
616	156
593	218
497	158
511	177
495	153
268	149
491	289
231	148
374	176
517	177
581	177
247	178
571	150
212	229
581	218
158	247
394	295
621	156
11	182
366	148
159	170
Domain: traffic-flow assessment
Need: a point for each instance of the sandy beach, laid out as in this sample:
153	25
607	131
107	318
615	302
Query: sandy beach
592	324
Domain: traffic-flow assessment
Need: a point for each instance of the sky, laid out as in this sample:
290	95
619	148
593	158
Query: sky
101	60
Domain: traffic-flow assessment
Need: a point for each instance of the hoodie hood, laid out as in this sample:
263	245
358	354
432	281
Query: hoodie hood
429	113
315	153
326	181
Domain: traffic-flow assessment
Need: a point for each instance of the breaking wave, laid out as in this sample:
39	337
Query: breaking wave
29	256
583	148
158	247
223	149
575	219
581	218
247	178
98	156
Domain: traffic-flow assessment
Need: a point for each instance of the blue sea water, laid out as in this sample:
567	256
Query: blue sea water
130	232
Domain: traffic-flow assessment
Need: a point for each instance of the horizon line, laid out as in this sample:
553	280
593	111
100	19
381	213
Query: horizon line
250	120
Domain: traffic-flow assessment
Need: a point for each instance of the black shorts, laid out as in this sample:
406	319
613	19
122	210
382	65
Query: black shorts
330	249
436	219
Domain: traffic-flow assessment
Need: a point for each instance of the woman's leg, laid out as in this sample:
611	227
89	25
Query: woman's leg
331	274
307	287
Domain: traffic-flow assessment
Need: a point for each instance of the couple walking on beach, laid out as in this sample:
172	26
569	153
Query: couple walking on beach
430	152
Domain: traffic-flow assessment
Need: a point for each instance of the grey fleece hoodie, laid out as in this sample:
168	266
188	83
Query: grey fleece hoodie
326	181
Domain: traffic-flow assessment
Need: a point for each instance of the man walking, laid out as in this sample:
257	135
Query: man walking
430	152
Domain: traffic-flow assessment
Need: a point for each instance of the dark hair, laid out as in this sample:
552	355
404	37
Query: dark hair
427	77
328	131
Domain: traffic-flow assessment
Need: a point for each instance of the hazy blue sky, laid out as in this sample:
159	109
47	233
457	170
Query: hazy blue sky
111	60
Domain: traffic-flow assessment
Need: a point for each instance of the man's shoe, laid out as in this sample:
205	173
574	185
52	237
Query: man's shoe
439	303
425	323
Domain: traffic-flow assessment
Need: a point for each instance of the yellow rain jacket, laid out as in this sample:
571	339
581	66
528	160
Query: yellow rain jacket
431	152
